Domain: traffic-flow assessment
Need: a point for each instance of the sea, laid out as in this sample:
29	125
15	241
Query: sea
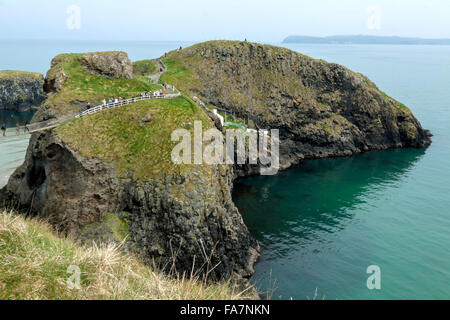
374	226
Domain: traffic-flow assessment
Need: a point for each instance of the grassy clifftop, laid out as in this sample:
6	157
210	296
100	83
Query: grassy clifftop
323	109
35	261
145	67
74	85
135	138
14	74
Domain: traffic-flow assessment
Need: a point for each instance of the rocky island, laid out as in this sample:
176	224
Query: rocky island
109	176
21	91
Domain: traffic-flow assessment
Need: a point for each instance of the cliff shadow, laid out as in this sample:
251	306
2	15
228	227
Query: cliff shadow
287	210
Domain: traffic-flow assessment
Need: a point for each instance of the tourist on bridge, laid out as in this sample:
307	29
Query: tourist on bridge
4	129
104	102
17	128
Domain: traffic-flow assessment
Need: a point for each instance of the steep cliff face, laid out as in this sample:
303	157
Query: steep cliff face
184	220
322	109
21	91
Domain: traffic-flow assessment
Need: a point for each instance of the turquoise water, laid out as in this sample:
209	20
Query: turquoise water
12	149
11	119
323	223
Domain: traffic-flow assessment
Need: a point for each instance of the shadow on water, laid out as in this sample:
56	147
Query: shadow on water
11	118
298	206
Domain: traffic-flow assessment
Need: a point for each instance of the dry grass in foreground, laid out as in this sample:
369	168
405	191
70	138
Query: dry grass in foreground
34	264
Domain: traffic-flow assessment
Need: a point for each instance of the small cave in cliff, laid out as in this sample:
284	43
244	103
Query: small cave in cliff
36	175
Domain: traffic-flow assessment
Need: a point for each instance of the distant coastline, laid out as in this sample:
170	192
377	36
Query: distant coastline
360	39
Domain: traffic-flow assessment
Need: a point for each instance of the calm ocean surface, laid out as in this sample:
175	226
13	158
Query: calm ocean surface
322	224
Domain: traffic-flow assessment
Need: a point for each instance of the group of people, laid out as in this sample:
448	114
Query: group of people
144	95
159	93
155	94
167	87
112	100
25	129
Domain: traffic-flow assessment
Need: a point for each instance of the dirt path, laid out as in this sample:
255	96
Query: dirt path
155	77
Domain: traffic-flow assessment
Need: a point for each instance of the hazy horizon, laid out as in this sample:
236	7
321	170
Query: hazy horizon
199	20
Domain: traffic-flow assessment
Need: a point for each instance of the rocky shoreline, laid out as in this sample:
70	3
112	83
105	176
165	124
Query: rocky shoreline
21	91
187	220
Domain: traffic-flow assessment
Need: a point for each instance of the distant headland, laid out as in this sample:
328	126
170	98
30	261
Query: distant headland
361	39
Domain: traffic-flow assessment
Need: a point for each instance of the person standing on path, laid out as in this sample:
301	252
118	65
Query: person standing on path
4	129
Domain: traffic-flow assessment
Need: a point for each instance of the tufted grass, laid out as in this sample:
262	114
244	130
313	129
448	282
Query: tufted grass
35	261
14	74
145	67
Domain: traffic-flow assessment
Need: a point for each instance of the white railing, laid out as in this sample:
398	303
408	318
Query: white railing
52	123
114	105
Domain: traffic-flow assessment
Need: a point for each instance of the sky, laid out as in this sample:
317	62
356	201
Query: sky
199	20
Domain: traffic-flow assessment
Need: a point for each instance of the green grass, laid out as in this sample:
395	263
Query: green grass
135	138
35	261
81	86
14	74
145	67
178	73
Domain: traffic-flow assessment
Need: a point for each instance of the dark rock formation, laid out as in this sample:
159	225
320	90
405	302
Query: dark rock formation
21	91
322	109
108	64
188	221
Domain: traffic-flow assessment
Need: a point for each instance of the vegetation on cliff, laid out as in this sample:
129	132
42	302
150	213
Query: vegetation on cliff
35	265
322	109
73	85
136	138
120	160
14	75
145	67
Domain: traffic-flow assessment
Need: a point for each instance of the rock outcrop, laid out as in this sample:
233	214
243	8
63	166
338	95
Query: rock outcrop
186	221
108	64
21	91
322	109
56	76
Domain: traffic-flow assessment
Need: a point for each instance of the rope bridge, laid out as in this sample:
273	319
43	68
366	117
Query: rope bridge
53	123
